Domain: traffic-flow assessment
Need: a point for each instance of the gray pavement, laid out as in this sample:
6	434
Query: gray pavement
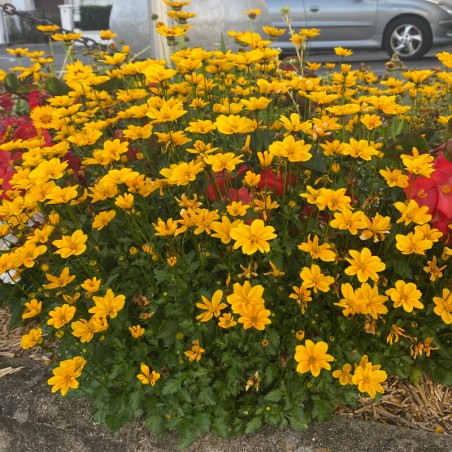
32	419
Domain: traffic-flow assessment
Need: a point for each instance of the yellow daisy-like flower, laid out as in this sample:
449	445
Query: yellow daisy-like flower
32	309
368	379
146	376
71	245
312	357
61	315
322	252
344	376
405	295
136	331
32	338
364	265
315	279
212	308
340	51
109	305
254	237
443	306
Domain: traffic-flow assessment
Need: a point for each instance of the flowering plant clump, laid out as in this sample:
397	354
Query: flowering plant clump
221	243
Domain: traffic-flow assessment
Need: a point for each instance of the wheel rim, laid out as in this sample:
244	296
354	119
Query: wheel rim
406	40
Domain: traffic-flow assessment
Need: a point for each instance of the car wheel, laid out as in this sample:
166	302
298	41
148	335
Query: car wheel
409	37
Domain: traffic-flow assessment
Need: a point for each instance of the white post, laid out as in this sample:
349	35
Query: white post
159	8
67	16
4	38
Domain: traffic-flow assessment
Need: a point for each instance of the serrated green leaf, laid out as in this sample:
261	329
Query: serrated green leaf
155	424
274	396
207	396
171	387
253	425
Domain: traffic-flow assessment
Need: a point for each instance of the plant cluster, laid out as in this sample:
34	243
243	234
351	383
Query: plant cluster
226	243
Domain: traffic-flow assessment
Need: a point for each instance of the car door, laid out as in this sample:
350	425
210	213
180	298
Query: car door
341	20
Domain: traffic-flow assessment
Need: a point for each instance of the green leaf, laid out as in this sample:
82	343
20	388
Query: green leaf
12	83
56	86
155	424
207	396
171	387
274	396
253	425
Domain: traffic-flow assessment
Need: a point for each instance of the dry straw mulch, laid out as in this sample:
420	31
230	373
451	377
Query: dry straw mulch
426	405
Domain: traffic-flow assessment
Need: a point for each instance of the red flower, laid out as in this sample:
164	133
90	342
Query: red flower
435	193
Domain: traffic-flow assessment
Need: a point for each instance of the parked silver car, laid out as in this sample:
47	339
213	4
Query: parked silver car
406	27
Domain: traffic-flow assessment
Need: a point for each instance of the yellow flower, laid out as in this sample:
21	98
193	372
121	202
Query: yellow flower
347	220
84	329
340	51
369	301
212	308
107	35
182	173
418	164
32	338
368	379
275	272
394	334
376	228
433	269
237	209
107	305
102	219
405	295
226	321
64	376
443	306
322	252
232	124
32	309
136	331
61	315
412	212
412	243
165	229
255	317
223	161
253	237
59	281
315	279
348	303
395	178
196	351
294	151
333	199
71	245
364	265
147	377
245	297
255	103
312	357
344	376
91	285
302	297
125	201
371	121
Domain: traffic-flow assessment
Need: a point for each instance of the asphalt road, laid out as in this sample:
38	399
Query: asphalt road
375	59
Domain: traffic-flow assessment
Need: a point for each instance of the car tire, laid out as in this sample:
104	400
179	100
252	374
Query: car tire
409	37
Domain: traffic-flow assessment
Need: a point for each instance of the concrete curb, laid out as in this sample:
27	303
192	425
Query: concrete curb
32	419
